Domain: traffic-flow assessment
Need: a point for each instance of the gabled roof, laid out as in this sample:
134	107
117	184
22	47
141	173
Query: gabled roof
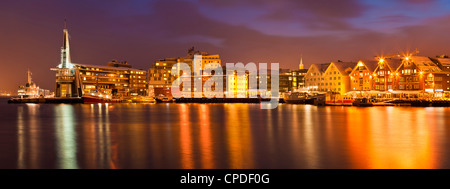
324	67
343	66
320	67
371	65
393	63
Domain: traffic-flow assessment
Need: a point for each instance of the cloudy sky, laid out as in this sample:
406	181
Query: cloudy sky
141	31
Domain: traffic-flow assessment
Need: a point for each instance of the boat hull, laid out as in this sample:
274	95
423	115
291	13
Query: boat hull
95	100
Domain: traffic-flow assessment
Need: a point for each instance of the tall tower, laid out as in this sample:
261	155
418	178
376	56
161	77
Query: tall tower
29	77
301	63
65	49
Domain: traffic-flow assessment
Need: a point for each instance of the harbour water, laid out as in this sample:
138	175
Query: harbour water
114	136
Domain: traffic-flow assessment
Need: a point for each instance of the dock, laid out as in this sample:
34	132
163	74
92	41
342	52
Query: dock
68	100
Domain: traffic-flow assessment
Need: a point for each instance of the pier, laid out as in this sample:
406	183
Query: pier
73	100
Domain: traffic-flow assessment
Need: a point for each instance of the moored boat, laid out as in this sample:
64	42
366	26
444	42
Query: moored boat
296	98
336	99
362	102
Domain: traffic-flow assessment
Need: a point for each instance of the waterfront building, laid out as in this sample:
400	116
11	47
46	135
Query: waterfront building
384	76
336	77
443	62
292	80
417	76
314	81
160	78
361	76
115	80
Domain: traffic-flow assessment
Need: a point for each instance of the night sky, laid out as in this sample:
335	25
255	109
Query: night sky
141	31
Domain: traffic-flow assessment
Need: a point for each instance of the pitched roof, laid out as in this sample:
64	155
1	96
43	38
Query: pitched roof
320	67
370	64
393	63
342	66
444	61
425	64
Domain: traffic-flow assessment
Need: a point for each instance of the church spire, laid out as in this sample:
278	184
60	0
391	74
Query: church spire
300	66
65	49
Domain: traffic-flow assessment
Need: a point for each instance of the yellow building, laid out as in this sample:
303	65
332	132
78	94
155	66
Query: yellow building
313	78
336	77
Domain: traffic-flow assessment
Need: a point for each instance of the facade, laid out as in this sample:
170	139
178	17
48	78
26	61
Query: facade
384	77
292	80
417	74
314	81
443	62
116	79
160	78
361	76
336	77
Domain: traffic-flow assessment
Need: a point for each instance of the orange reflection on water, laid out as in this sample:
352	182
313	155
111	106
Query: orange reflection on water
391	138
187	161
239	137
206	148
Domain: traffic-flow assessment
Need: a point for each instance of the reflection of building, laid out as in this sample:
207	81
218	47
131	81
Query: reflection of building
117	79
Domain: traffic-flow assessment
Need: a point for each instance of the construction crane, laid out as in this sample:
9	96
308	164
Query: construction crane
407	55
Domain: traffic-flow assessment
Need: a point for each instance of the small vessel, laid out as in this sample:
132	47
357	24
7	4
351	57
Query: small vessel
319	100
336	99
164	99
96	97
362	102
296	98
146	100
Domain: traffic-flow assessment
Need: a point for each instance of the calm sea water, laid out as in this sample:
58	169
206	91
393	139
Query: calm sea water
221	136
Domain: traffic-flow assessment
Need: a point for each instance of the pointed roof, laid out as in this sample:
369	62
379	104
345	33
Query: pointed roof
370	64
320	67
393	63
323	67
344	66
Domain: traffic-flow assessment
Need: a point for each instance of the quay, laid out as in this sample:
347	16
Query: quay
68	100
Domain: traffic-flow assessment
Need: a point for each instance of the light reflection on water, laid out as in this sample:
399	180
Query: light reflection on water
222	136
